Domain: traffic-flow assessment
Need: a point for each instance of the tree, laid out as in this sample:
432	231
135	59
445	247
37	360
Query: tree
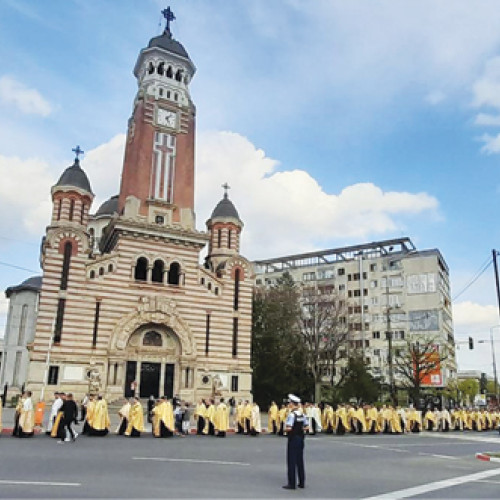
324	330
469	388
359	383
417	361
278	353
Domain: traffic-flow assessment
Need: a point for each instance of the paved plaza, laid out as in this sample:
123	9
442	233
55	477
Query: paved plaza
429	465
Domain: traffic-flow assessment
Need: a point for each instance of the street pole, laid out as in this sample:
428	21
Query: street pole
495	266
494	361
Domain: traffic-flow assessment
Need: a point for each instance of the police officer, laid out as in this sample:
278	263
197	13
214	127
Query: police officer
296	424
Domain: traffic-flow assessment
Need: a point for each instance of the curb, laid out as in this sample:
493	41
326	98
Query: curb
486	458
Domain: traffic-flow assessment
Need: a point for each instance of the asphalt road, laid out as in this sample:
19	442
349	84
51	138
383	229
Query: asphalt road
439	466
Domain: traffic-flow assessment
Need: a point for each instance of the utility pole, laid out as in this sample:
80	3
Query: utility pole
495	266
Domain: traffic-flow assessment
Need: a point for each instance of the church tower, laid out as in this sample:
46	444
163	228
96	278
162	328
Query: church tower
158	171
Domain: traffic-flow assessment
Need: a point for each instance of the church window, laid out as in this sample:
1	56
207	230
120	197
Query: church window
207	334
159	219
178	75
92	237
237	278
168	94
186	79
22	325
160	68
219	238
82	213
53	377
174	273
59	207
169	72
141	269
151	68
96	322
92	274
216	290
176	96
157	274
59	320
68	249
229	238
152	339
71	209
202	281
210	286
234	383
160	92
110	268
235	337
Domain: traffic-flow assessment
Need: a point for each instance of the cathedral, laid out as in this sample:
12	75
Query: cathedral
125	305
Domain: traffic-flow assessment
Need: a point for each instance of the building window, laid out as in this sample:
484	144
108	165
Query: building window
53	378
82	213
174	273
96	322
237	275
341	271
59	320
159	219
141	269
219	238
234	383
68	250
376	335
229	238
309	276
59	207
157	273
373	267
101	271
152	339
235	337
110	268
71	209
22	326
92	275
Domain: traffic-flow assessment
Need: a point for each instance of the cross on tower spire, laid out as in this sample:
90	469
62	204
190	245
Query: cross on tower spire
169	16
78	151
226	187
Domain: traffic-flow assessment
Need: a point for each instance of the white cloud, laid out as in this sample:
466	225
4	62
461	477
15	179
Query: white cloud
435	97
26	99
288	211
470	317
487	120
486	89
491	143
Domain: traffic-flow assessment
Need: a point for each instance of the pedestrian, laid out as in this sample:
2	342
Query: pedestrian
69	410
296	426
83	407
186	418
151	405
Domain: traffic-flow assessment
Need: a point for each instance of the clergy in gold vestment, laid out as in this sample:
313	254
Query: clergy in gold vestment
26	418
359	421
209	428
100	418
221	419
341	420
136	419
273	418
413	420
89	416
124	414
199	416
328	419
255	425
240	419
371	419
163	419
247	417
429	420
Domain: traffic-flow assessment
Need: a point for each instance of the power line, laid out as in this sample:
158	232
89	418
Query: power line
18	267
475	278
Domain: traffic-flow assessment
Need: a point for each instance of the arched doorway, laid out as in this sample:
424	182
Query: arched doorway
152	354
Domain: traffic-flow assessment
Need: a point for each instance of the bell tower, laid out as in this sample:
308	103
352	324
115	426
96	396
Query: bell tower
158	170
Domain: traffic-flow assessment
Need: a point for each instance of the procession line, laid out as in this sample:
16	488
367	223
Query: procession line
189	460
437	485
37	483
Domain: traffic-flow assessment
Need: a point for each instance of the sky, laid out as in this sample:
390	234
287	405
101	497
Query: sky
334	123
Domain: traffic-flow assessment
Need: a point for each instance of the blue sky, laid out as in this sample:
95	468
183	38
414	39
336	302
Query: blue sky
335	123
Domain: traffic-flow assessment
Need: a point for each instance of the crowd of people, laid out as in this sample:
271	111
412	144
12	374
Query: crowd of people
173	417
361	419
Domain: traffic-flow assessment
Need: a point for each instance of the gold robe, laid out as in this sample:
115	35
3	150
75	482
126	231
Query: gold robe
100	417
273	416
163	412
136	419
371	417
90	413
221	418
27	417
209	418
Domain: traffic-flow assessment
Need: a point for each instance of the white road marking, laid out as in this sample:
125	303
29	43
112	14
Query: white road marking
379	447
439	456
37	483
189	460
437	485
487	481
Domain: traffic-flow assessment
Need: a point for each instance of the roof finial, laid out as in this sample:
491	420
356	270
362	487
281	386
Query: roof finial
169	16
226	187
78	151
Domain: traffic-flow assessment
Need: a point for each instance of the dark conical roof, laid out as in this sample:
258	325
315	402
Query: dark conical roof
75	176
225	208
167	42
34	283
109	207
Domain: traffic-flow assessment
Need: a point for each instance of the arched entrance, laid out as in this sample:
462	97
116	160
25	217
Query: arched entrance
152	353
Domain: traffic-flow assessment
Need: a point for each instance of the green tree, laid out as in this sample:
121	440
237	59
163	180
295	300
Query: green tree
359	383
469	388
278	353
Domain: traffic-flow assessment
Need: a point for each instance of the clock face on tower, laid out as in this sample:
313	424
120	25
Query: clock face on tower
166	118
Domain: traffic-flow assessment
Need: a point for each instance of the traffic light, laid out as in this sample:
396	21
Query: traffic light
471	343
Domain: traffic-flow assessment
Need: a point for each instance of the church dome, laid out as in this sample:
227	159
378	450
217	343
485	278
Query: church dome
166	42
74	176
109	207
224	209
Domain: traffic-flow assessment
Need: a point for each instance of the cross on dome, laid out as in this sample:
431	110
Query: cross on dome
78	151
169	16
226	187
